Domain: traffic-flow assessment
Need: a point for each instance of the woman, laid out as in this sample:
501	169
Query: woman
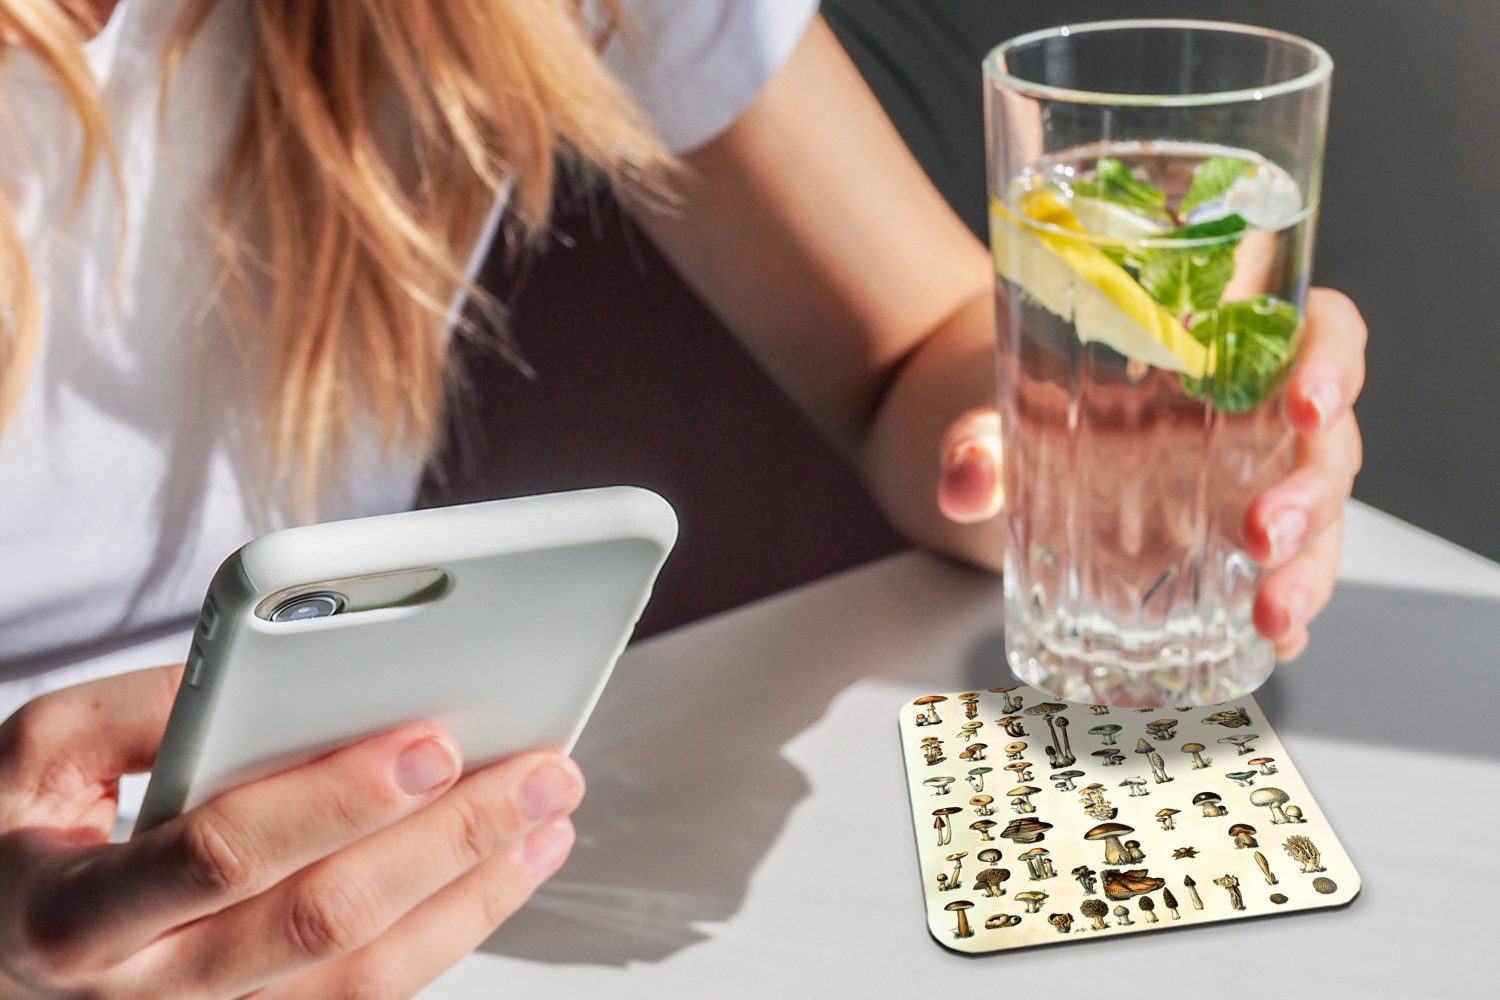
232	239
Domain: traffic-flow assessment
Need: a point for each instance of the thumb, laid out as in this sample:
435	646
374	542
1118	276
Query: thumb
100	730
970	487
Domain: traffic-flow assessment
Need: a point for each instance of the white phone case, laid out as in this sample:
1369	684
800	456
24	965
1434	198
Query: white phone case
541	595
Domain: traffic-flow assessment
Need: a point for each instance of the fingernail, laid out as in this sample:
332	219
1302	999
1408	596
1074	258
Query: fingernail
544	850
1285	531
972	481
425	765
549	790
1296	607
1324	395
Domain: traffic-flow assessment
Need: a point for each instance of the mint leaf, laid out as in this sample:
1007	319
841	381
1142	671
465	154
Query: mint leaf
1250	345
1114	182
1191	280
1211	180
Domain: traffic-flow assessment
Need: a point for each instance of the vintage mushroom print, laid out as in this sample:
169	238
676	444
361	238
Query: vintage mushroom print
1100	821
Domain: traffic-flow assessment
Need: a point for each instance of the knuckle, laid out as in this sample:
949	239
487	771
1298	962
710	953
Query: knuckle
329	917
214	856
480	825
494	899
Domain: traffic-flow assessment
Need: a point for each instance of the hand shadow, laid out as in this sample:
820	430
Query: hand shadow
688	787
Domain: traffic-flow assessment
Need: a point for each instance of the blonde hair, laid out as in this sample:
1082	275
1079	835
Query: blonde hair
345	254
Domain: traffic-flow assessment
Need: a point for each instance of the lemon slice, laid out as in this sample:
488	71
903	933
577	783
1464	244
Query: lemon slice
1107	219
1076	281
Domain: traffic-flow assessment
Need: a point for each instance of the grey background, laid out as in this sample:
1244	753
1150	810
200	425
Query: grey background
1410	205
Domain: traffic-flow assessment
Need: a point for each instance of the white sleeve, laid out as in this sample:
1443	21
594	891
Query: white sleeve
695	65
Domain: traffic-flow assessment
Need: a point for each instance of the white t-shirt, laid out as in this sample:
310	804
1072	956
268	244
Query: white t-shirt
125	477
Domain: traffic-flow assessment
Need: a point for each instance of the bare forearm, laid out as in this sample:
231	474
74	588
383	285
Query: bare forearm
950	372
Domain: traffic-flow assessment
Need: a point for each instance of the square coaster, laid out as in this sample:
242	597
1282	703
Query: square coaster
1040	822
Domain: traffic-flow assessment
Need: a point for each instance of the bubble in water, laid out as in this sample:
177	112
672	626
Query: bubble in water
1200	259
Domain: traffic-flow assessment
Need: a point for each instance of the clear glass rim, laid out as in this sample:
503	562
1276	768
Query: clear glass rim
1322	66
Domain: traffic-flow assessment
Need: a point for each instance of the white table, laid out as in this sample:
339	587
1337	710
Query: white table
747	834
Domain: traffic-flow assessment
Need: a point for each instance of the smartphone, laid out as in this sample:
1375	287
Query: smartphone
500	621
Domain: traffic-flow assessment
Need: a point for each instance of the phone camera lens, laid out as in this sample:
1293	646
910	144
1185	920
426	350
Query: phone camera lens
306	606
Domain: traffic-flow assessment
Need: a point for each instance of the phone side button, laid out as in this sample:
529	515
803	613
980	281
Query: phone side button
194	672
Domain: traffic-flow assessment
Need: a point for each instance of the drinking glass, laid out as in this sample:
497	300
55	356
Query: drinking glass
1153	188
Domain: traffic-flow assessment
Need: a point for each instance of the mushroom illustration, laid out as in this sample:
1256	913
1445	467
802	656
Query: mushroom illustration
1192	888
1085	876
1038	863
974	751
1243	778
988	856
1241	743
1158	766
1001	920
1110	757
1137	787
1304	852
942	881
929	717
1164	817
932	748
1133	850
1243	835
1062	921
981	804
976	777
939	783
1110	833
941	825
1294	814
1267	765
1182	853
1326	886
1096	910
1067	749
957	857
967	730
1232	718
1012	725
1199	761
1278	898
971	704
1049	709
1107	732
1148	907
1135	882
1265	868
1033	899
1099	709
1273	799
1012	705
1122	916
983	826
1161	729
989	880
1170	902
958	906
1064	780
1210	801
1232	886
1020	798
1021	769
1013	751
1026	830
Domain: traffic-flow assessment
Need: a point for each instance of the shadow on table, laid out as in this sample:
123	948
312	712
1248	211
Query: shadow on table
1404	667
688	788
